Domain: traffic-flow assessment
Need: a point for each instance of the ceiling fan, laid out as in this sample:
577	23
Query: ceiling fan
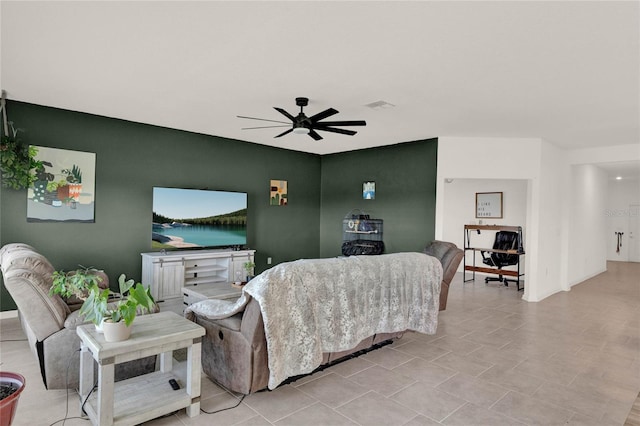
301	124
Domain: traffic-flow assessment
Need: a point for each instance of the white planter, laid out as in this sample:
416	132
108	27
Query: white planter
99	327
115	331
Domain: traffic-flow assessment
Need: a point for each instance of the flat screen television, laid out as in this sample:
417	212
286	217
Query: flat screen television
198	218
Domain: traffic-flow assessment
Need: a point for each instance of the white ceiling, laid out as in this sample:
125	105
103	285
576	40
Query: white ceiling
567	72
626	170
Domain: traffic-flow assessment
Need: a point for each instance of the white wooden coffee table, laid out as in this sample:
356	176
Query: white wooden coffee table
142	398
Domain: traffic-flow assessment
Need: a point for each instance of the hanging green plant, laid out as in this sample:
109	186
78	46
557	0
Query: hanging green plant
17	161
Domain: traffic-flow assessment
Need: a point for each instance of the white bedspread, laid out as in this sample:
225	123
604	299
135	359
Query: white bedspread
313	306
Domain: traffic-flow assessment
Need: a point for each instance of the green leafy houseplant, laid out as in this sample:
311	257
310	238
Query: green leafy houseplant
53	186
74	175
97	308
75	283
17	161
248	266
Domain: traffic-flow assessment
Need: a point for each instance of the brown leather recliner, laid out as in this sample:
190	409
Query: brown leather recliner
234	351
450	257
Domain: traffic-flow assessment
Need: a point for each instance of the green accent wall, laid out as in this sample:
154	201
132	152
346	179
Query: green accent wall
405	177
132	158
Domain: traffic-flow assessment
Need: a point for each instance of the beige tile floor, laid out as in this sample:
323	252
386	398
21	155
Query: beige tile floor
573	358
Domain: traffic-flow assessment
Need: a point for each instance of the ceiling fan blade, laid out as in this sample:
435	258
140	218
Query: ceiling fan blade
342	123
334	130
261	119
265	127
322	115
285	113
314	135
284	133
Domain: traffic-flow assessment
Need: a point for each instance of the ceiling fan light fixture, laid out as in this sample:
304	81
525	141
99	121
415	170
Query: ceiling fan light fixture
301	130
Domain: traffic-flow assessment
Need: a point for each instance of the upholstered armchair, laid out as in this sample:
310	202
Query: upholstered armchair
450	257
48	321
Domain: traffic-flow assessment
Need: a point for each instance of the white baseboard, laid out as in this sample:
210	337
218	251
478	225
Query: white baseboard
8	314
587	277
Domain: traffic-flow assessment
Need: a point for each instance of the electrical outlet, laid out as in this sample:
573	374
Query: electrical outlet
268	261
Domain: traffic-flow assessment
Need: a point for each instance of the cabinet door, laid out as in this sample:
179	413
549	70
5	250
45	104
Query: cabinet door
168	279
239	273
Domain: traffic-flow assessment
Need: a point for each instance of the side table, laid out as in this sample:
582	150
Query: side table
142	398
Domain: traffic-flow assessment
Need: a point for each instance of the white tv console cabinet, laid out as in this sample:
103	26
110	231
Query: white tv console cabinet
166	273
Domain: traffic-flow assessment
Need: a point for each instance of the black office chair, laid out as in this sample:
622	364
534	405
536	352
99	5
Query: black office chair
505	240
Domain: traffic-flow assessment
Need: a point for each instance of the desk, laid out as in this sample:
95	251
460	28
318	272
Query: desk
139	399
473	268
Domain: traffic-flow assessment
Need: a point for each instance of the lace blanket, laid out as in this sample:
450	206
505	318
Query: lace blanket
216	308
313	306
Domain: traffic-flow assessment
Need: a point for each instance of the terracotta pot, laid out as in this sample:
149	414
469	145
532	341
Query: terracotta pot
74	190
63	192
9	405
115	331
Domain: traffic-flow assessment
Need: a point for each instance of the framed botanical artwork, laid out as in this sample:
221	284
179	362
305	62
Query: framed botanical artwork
278	195
489	205
64	190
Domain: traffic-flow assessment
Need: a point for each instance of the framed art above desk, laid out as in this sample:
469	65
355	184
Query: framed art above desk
489	205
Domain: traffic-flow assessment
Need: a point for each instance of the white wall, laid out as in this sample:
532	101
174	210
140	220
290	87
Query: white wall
552	211
620	195
459	205
553	207
615	196
542	165
587	228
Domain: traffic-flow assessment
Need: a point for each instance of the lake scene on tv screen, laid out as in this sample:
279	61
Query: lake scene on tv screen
184	218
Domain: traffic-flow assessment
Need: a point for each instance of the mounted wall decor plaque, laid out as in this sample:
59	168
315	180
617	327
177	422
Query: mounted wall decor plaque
489	205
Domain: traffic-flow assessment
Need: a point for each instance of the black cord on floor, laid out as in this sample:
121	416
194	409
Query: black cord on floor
68	418
95	386
228	408
224	409
66	412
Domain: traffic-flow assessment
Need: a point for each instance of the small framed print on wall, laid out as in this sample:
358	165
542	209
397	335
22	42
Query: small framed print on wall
278	193
489	205
369	190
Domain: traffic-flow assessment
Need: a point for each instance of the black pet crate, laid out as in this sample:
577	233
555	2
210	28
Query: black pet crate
361	234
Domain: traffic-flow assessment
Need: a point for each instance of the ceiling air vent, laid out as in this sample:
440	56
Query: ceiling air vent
380	105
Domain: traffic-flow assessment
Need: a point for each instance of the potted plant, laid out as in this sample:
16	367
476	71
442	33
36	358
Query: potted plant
11	386
59	188
40	192
248	266
17	161
116	318
74	178
75	283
